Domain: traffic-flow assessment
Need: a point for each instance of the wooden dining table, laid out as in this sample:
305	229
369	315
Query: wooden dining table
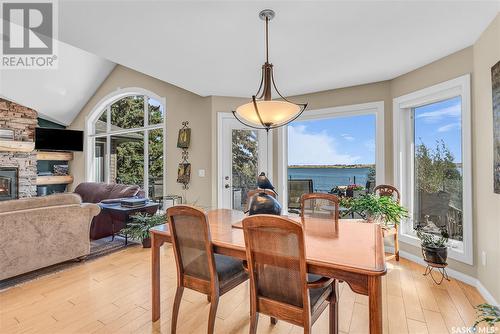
351	251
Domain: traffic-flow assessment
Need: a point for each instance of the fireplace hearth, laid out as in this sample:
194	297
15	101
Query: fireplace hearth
9	183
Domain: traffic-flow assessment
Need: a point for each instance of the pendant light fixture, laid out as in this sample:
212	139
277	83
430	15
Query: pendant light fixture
263	112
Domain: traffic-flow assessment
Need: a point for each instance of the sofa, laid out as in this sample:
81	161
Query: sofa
41	231
96	192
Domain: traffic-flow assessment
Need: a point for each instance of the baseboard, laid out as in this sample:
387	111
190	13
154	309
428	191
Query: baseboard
485	293
452	273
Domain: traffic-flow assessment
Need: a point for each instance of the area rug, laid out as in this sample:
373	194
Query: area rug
98	248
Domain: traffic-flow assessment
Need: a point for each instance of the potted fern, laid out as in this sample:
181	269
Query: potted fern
138	228
434	247
374	208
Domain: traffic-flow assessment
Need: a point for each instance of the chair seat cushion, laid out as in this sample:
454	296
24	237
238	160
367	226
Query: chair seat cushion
228	268
315	295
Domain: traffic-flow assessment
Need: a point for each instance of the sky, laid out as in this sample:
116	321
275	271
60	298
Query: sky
351	140
441	120
338	140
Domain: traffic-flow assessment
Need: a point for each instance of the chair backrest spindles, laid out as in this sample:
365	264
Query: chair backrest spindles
319	205
387	190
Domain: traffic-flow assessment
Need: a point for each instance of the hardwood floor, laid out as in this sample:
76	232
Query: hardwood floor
112	295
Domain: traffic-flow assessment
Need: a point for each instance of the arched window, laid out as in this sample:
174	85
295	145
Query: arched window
126	141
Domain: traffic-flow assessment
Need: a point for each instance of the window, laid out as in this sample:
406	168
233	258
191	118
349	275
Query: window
433	165
326	150
126	137
331	155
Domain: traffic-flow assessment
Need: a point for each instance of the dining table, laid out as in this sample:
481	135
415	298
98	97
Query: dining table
350	250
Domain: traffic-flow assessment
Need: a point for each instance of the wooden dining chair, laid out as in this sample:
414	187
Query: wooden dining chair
198	268
279	284
390	191
319	205
253	192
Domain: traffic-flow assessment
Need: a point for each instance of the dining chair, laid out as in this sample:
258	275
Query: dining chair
279	284
253	192
393	192
198	268
319	205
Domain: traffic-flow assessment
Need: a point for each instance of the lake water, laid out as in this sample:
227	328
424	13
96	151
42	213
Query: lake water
324	179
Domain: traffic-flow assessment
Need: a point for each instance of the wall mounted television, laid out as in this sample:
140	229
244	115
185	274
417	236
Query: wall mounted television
58	139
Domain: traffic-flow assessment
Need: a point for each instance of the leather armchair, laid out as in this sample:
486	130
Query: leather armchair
96	192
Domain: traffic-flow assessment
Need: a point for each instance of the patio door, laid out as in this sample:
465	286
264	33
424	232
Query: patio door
244	153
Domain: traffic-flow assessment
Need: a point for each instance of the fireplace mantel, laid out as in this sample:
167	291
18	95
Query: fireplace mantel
16	146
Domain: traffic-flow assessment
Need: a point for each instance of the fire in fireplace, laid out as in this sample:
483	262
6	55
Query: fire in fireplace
8	183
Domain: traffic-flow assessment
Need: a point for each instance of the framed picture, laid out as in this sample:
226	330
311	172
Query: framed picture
184	173
495	90
184	138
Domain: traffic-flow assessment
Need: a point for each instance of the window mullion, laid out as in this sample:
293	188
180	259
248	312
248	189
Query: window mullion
146	162
107	163
108	118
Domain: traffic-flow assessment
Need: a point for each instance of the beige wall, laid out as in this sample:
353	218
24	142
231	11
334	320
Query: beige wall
202	114
181	105
446	68
486	204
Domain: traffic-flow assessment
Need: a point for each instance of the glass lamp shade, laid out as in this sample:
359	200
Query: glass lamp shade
272	113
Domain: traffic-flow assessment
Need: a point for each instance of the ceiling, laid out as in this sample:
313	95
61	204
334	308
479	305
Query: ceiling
217	48
57	94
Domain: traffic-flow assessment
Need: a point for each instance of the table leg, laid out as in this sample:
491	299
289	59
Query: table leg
155	276
375	304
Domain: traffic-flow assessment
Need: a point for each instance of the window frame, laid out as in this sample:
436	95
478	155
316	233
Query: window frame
105	106
404	153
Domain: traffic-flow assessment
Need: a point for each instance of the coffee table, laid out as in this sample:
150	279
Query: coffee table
121	215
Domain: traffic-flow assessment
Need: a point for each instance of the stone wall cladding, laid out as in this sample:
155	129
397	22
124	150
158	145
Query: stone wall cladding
22	121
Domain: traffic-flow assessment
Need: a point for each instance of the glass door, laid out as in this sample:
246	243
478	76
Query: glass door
244	155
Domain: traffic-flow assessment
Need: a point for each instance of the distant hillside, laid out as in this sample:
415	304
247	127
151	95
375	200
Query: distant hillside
333	166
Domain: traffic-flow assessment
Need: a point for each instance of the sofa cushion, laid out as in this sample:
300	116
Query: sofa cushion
93	192
39	202
123	190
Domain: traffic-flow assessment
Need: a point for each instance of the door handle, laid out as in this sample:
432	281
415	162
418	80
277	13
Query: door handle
226	186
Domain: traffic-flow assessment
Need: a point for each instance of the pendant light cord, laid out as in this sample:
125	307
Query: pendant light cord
267	152
267	40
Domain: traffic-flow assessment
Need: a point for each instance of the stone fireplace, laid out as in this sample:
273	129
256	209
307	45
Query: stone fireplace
17	169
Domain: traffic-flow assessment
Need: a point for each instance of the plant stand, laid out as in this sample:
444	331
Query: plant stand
441	268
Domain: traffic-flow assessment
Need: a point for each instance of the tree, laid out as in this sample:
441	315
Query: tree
436	169
128	113
245	159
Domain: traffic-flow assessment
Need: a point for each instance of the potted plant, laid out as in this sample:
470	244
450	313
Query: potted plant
138	227
434	247
487	313
374	208
354	190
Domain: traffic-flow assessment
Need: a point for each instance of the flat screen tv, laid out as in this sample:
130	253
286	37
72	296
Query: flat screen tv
58	139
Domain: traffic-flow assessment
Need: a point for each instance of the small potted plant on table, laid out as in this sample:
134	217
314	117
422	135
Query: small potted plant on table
434	249
138	228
